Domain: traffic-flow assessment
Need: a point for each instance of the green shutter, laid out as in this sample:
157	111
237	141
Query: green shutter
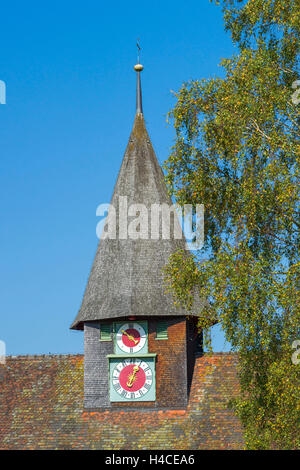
162	330
105	332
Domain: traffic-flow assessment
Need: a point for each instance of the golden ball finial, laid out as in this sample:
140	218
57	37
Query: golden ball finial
138	67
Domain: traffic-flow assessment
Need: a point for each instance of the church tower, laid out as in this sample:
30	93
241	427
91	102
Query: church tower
139	348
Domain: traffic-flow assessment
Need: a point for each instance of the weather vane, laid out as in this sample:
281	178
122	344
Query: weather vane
138	48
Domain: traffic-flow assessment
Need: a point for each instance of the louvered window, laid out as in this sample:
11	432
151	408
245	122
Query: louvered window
105	332
162	330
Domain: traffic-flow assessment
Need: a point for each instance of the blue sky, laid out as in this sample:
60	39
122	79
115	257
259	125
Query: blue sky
68	69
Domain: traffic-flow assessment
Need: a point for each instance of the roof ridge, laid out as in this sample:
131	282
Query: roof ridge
40	356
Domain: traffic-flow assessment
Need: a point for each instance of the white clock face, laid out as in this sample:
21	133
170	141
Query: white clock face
131	337
132	378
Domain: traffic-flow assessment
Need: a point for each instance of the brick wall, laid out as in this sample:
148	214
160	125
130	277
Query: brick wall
171	363
194	345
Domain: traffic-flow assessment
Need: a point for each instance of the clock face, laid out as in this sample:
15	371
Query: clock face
131	337
132	379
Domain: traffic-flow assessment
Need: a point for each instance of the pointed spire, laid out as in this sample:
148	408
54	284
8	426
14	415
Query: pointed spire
127	274
138	68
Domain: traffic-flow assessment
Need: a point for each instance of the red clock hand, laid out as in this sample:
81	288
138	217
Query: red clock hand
130	337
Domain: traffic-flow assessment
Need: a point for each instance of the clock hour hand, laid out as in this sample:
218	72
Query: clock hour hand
131	377
130	337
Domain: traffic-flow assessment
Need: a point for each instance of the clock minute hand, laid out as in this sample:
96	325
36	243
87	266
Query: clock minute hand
130	337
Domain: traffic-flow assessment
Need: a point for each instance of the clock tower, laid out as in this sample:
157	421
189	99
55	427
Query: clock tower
139	347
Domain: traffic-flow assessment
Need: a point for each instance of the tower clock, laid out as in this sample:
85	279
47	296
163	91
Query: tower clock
132	379
131	337
132	367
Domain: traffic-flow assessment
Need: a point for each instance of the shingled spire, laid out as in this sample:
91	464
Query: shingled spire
126	277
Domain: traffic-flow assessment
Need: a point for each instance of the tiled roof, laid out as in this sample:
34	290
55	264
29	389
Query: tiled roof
41	408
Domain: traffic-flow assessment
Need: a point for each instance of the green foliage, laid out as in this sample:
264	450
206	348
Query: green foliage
237	152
